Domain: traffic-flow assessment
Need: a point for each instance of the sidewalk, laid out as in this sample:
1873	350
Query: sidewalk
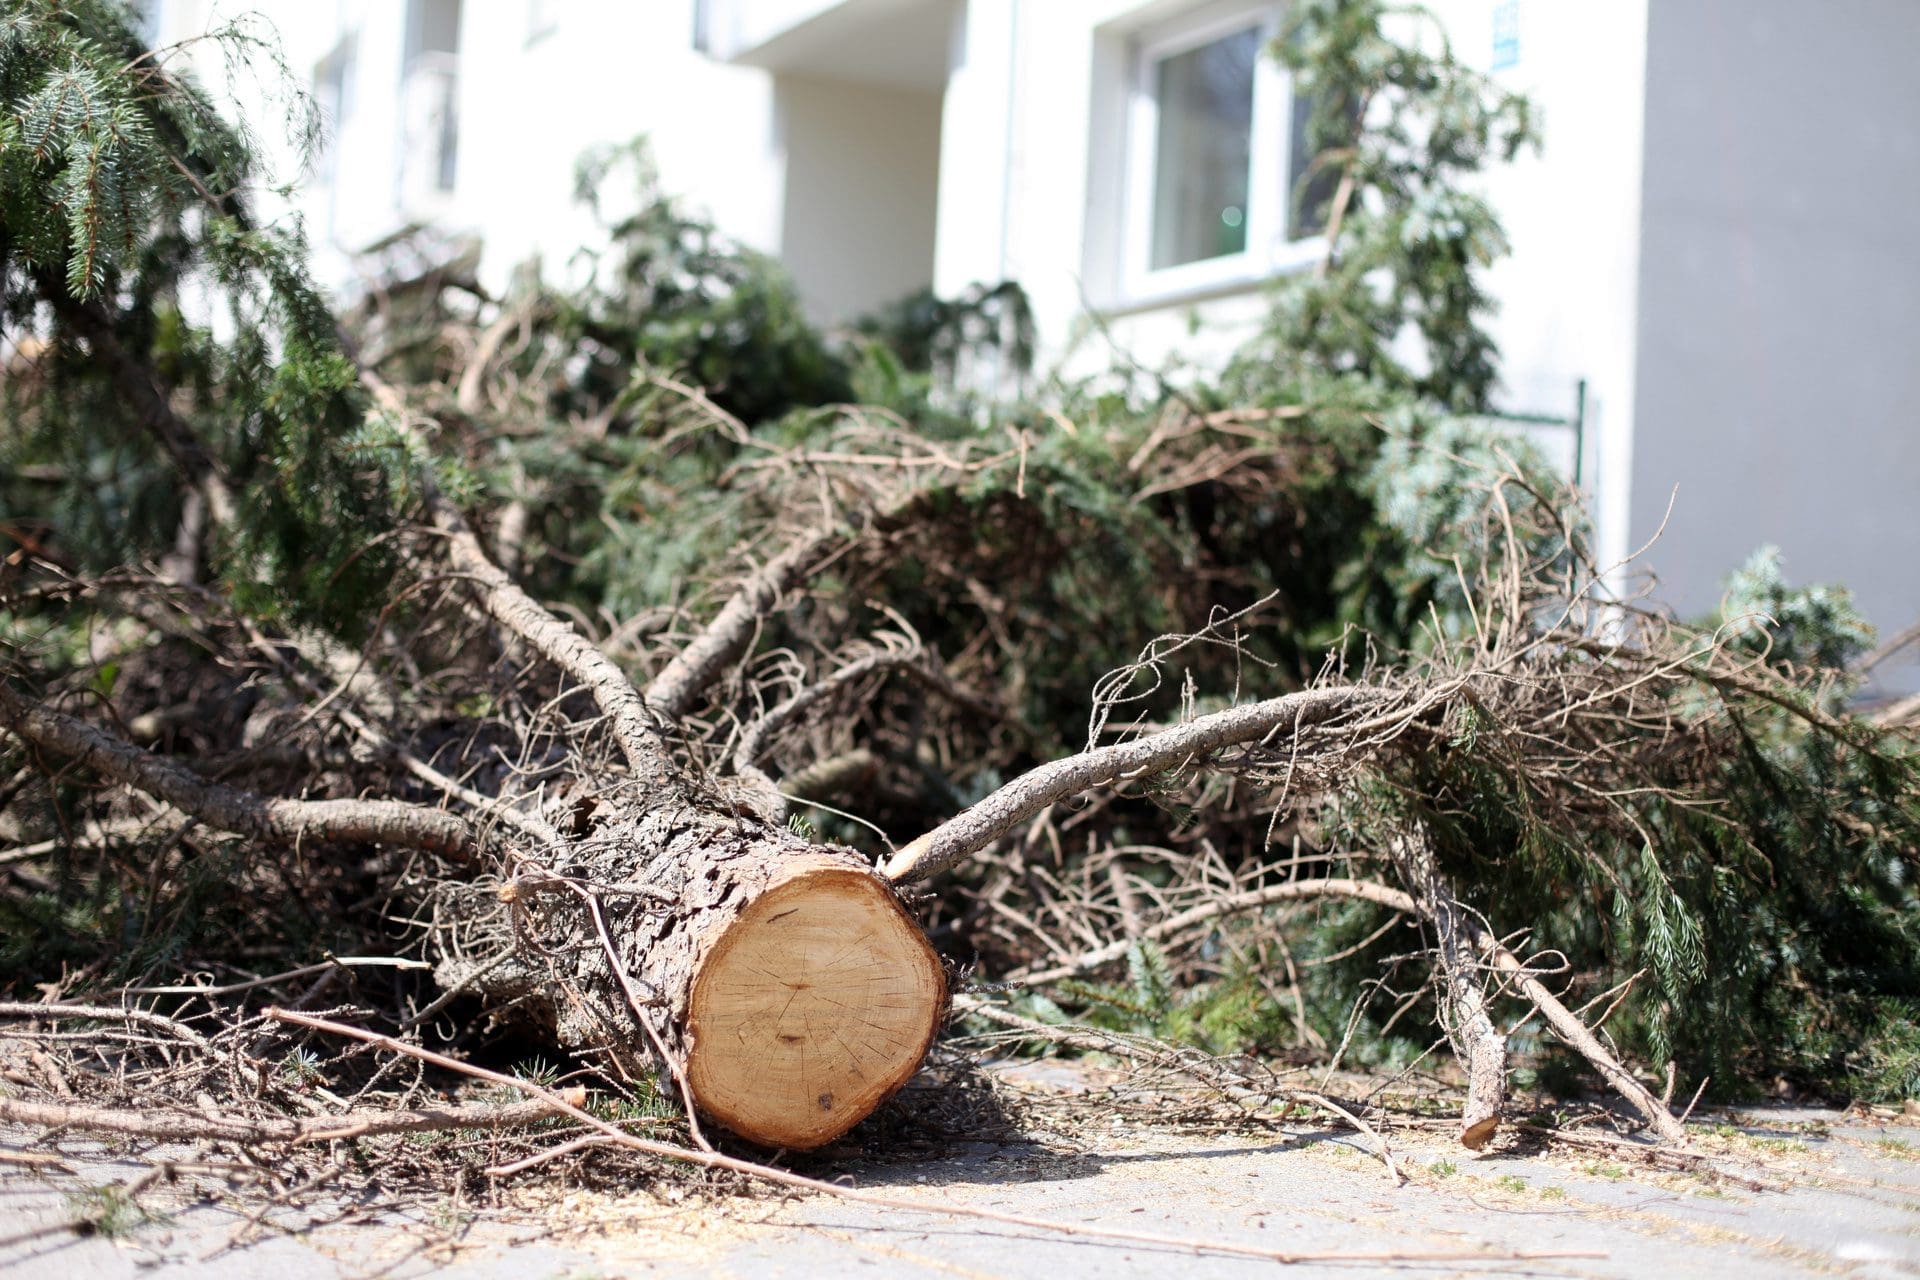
1852	1207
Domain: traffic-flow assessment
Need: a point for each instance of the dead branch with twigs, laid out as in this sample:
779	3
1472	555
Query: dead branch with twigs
612	927
574	682
607	854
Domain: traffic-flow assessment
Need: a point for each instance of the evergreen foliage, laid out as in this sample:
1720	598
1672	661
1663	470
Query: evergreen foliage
121	197
671	293
1407	126
675	419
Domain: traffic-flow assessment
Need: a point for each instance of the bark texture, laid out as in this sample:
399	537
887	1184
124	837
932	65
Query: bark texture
782	984
1478	1044
1179	747
230	809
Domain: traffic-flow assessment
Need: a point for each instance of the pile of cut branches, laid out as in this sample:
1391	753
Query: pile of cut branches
392	696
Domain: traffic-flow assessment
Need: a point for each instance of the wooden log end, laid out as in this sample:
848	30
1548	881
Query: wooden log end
812	1006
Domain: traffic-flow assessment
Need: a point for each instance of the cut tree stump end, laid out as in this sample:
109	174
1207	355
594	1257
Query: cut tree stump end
812	1006
1476	1135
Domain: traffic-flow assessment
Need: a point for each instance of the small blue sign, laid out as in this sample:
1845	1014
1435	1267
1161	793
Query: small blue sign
1506	34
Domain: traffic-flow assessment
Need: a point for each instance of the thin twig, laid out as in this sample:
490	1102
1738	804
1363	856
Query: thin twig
189	1126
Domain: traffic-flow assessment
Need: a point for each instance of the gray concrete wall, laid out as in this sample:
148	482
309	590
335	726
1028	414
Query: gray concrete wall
1779	302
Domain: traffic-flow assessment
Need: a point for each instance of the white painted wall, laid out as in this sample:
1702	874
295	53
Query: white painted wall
1035	128
1568	294
606	72
738	26
1043	84
862	175
1779	378
837	178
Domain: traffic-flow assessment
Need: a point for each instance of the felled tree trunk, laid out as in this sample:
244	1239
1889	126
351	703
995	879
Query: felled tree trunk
782	984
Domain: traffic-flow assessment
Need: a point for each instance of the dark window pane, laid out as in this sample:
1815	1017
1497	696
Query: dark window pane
1204	150
1313	189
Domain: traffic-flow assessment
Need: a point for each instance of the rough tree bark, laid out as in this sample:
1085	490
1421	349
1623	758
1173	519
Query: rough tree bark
783	983
1481	1048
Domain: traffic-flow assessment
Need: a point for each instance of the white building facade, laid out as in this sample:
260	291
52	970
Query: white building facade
1716	242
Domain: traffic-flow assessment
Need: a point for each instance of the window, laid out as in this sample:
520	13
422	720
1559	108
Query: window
1202	150
1216	142
430	102
333	95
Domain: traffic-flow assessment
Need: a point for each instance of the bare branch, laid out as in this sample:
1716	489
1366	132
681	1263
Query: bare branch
1570	1029
973	830
695	667
104	1013
635	728
1480	1047
228	808
758	735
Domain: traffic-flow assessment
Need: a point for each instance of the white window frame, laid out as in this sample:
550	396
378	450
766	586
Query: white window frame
1269	251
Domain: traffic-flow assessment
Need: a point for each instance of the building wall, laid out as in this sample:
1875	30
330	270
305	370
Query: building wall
862	176
838	178
1716	235
1779	379
1568	294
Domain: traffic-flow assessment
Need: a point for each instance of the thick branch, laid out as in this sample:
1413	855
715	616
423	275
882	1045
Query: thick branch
228	808
1570	1029
1476	935
695	667
635	728
1481	1048
974	829
1462	936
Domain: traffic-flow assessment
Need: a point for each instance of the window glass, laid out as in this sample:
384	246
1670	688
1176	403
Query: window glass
1204	150
1313	188
333	95
430	94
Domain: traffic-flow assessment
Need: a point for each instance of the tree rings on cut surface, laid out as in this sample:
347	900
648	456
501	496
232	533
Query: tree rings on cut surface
816	1002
